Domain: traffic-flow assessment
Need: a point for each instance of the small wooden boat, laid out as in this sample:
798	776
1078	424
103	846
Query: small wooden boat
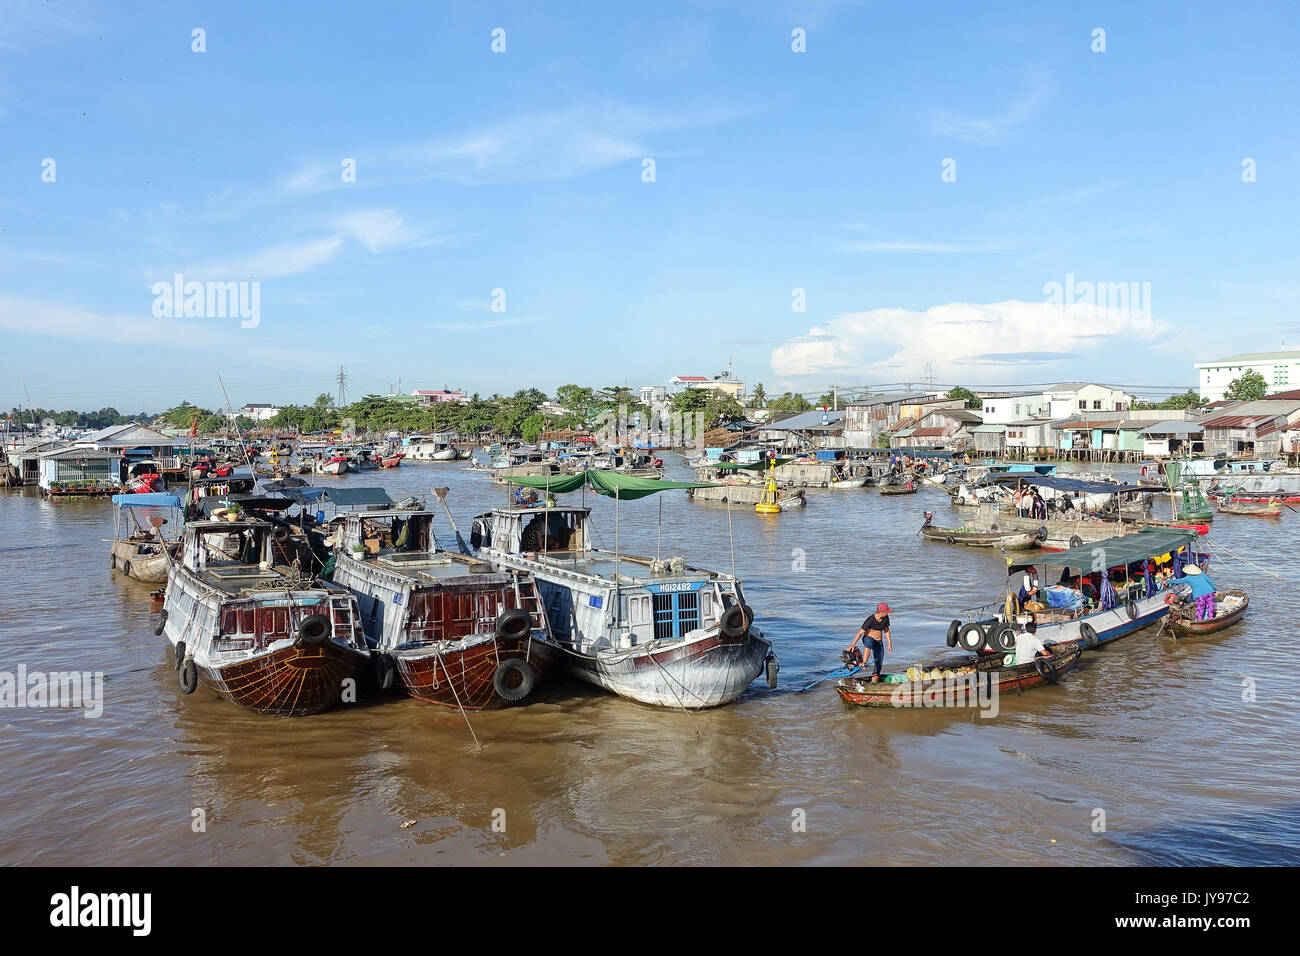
137	551
977	538
844	484
1229	607
968	681
1251	509
907	489
392	461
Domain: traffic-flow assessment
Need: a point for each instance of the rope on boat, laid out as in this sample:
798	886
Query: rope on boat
452	684
698	732
1240	557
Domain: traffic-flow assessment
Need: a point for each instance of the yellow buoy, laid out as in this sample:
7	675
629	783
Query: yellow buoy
767	502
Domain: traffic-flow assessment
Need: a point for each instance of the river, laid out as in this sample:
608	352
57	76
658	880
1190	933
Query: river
1149	752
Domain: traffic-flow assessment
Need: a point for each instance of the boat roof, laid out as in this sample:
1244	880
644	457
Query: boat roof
347	497
153	499
1062	484
214	524
1112	552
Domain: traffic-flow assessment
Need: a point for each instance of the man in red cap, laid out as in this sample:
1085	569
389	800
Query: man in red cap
875	638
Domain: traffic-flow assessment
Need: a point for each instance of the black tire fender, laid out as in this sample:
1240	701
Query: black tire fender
126	568
1046	669
1131	606
162	623
1003	637
314	629
513	624
188	676
734	622
971	637
385	671
950	539
180	655
1076	541
1089	634
527	679
954	629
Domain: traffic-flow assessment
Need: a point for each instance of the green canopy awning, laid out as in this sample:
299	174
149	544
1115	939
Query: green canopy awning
611	484
1113	552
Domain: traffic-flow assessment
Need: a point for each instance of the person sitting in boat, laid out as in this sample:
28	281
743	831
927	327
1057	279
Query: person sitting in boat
1028	646
1202	590
875	637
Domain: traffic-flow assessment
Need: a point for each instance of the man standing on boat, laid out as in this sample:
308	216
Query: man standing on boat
875	638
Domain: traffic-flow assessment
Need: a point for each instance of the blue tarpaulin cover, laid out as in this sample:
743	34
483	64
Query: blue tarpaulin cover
152	499
1058	596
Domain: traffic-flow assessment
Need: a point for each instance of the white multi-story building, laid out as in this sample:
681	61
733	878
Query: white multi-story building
260	413
1065	400
1276	367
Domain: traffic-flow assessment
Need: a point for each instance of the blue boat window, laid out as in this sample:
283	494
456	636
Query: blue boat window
676	614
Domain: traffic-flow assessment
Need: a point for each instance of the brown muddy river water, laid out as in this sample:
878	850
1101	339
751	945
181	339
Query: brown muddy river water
1154	734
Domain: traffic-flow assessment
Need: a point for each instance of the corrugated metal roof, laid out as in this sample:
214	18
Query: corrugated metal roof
1253	357
809	421
1238	421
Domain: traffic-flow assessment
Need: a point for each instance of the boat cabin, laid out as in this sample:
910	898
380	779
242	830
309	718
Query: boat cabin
235	555
600	600
532	530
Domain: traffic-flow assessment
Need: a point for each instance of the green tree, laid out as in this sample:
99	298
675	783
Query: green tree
789	403
759	398
1248	387
966	395
532	427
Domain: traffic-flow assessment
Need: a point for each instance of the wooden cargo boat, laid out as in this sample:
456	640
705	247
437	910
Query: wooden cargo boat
137	551
1065	615
444	627
655	631
1229	608
1007	540
965	682
248	625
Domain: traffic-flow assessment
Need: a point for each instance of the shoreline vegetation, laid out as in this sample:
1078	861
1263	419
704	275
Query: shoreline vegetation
524	415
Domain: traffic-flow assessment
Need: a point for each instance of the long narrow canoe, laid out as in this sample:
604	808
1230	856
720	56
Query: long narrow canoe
1010	540
968	682
1272	509
1229	608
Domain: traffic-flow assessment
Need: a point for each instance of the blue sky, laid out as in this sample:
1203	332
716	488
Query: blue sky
523	171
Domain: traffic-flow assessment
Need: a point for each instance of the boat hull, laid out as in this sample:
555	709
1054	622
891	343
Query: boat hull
1185	627
129	558
958	693
695	674
463	674
1019	541
289	682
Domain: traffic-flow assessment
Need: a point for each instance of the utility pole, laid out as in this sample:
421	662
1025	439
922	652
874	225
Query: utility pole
343	389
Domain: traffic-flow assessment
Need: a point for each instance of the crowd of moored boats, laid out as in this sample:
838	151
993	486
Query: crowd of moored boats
287	597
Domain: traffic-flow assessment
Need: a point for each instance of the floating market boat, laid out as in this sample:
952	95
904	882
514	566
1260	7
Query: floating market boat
657	631
1229	608
251	628
445	627
145	477
1250	509
139	552
965	682
979	538
906	489
1088	605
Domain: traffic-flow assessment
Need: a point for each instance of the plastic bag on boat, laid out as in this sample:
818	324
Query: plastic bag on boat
1058	596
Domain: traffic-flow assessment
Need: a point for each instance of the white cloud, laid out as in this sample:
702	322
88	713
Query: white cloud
380	230
956	341
990	129
285	259
54	320
473	326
